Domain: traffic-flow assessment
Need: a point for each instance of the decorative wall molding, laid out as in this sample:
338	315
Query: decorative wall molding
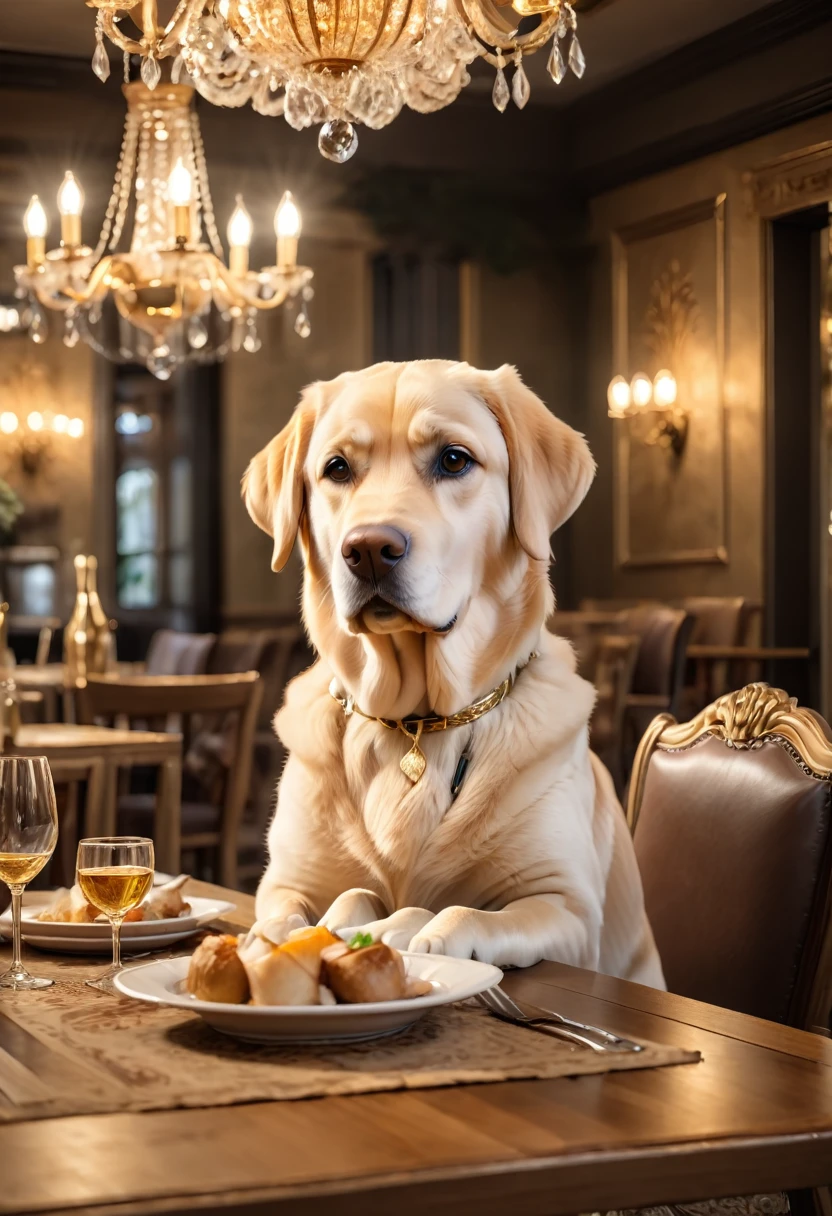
629	553
790	183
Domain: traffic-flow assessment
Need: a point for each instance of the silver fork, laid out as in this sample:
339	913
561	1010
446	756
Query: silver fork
499	1003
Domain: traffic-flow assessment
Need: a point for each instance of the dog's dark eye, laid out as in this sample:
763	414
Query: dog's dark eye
337	469
453	462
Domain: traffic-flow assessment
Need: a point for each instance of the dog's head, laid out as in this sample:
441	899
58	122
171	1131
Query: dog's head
412	485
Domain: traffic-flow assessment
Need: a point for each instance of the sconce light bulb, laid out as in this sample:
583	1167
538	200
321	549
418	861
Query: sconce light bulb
75	429
287	221
664	388
70	196
619	397
180	184
8	422
60	424
35	223
641	389
240	226
35	421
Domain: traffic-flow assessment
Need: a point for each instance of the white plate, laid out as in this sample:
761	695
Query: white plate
452	979
142	933
104	945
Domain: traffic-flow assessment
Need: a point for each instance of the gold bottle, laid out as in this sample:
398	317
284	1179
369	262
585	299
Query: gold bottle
7	658
88	639
103	656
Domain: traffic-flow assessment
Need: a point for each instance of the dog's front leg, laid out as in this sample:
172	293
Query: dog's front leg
520	935
396	930
354	907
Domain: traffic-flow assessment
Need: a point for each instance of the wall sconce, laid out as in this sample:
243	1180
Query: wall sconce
33	436
640	396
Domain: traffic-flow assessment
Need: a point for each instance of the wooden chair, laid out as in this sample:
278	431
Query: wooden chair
217	764
732	821
615	663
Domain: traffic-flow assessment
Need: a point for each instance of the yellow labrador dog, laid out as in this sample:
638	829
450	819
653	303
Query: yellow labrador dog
424	496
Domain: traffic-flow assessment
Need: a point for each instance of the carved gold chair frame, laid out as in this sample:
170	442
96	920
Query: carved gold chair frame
746	719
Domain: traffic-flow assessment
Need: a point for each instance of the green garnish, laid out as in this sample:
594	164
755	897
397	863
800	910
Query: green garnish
361	940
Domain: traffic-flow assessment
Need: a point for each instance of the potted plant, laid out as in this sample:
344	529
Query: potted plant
11	508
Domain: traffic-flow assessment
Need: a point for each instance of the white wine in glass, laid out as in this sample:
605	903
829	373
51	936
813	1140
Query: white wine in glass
28	833
115	874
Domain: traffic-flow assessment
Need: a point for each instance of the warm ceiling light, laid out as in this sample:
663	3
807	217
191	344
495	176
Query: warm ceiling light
8	422
35	421
619	397
75	429
161	294
70	196
34	218
664	388
334	63
641	389
180	185
60	424
240	227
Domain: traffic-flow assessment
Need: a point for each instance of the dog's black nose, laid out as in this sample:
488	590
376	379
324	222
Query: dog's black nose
373	551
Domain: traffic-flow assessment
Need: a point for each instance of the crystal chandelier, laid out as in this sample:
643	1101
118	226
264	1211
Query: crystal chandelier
341	62
170	299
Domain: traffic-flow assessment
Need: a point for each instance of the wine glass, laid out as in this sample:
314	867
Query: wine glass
28	832
115	873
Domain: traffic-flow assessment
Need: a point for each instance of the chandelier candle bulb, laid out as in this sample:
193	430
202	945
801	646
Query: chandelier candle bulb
70	205
239	232
287	226
180	190
35	225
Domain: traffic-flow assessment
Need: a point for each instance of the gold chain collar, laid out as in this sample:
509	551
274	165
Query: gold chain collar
414	763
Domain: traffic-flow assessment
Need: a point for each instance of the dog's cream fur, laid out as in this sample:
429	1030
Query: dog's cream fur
533	860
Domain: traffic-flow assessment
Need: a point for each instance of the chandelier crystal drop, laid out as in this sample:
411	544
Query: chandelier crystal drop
335	63
170	298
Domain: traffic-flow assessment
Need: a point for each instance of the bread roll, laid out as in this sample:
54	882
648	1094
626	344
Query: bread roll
372	973
305	946
216	972
280	979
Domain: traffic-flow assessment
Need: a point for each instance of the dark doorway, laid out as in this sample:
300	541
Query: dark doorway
793	465
415	308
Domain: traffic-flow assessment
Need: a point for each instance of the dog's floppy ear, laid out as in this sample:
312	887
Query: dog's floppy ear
273	482
550	465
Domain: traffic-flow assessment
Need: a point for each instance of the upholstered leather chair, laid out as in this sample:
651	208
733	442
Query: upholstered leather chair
179	654
732	820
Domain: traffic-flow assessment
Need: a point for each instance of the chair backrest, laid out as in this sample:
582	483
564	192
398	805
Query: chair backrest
664	634
717	620
732	821
179	654
218	759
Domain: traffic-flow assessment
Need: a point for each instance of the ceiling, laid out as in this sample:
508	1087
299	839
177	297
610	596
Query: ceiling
618	36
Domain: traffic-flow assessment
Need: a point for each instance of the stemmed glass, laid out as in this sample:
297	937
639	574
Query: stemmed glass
114	873
28	833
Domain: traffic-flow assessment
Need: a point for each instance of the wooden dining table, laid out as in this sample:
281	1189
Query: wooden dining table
755	1115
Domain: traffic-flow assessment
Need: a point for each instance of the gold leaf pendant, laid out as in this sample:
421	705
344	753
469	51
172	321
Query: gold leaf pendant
414	763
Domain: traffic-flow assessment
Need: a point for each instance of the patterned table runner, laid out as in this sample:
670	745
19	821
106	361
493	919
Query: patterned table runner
70	1050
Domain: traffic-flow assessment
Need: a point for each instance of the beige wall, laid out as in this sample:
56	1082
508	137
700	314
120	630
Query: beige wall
744	380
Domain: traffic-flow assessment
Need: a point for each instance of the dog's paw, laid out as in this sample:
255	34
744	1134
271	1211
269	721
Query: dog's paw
354	907
453	931
396	930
